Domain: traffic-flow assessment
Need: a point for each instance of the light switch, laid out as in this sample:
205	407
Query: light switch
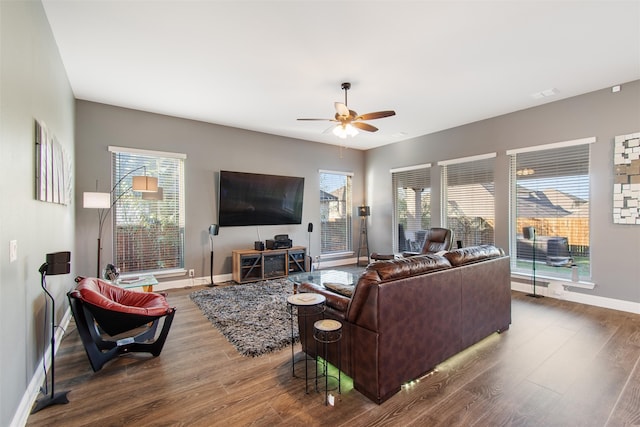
13	250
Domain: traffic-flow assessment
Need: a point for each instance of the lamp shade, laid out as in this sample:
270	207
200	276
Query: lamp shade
145	184
93	200
155	195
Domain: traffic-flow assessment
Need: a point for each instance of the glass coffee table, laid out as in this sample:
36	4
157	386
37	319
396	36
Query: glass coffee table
144	281
323	277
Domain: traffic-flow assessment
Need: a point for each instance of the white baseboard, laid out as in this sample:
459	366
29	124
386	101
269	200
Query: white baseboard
335	263
561	292
33	389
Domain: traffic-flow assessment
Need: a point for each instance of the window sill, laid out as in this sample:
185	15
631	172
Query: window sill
571	284
337	255
158	274
549	280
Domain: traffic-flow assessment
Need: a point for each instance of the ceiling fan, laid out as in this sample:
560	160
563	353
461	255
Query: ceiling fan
348	120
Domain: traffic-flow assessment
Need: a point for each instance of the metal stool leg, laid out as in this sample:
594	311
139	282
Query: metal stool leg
293	365
326	373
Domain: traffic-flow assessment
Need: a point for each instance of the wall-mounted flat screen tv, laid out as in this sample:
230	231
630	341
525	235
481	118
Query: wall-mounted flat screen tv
258	199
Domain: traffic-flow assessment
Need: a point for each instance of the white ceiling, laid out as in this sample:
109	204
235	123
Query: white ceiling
259	65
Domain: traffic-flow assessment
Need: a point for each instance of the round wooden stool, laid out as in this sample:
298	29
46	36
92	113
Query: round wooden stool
325	332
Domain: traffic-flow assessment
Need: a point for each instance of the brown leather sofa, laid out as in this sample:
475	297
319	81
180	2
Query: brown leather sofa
407	315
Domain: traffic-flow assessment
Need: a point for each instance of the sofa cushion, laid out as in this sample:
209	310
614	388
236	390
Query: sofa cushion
472	254
405	267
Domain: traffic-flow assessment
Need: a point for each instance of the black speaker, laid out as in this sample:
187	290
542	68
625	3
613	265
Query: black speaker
53	269
364	211
57	263
459	244
528	232
310	227
258	246
58	257
213	229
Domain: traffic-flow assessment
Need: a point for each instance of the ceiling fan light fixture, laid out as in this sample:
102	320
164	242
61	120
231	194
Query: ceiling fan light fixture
344	130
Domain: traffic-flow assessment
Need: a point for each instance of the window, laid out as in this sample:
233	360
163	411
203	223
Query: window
335	212
468	194
411	207
550	187
148	234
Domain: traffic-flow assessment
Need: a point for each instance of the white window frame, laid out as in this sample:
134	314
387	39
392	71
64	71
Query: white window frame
445	164
172	192
553	272
343	210
412	240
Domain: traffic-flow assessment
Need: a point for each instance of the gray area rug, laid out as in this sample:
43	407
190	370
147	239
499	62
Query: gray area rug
252	316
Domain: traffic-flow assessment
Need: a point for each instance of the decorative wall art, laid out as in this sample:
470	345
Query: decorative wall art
53	168
626	188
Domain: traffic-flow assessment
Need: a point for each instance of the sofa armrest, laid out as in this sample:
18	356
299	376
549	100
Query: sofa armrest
378	257
334	300
410	254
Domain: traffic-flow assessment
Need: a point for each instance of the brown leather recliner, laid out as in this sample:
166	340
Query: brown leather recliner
437	239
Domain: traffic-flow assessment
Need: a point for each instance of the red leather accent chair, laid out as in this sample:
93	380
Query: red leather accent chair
100	306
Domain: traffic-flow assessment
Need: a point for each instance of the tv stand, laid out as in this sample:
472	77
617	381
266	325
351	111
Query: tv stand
251	266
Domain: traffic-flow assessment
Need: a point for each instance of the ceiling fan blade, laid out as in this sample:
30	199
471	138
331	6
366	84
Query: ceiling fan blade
364	126
376	115
341	109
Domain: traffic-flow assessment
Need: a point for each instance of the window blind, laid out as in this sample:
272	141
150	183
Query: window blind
551	187
470	199
412	207
335	212
148	234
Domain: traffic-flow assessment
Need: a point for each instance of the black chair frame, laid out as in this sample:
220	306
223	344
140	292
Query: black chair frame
90	317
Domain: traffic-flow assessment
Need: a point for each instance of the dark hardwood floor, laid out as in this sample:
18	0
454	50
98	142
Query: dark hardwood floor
560	364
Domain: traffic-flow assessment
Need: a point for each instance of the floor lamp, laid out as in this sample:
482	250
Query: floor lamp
102	201
57	263
363	213
309	231
530	234
213	231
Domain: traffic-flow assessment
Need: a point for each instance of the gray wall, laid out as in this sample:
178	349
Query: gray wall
33	85
209	149
601	114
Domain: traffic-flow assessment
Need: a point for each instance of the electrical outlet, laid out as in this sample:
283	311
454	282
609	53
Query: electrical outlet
192	272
